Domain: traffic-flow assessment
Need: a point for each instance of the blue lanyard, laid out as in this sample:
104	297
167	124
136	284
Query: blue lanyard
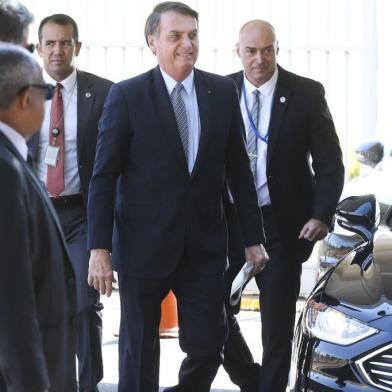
252	124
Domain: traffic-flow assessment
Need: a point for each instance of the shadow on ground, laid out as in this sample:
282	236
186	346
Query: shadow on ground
113	388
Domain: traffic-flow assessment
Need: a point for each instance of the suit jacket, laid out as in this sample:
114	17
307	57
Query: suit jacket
301	126
37	299
92	91
158	212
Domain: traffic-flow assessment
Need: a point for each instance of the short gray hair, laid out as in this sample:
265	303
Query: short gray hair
153	20
18	68
14	20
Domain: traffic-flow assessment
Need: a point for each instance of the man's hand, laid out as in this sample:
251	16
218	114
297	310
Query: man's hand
258	255
100	271
314	230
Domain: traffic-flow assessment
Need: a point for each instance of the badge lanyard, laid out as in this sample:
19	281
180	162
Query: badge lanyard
252	124
56	131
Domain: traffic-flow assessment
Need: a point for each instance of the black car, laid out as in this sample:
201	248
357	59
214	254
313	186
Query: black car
375	178
343	339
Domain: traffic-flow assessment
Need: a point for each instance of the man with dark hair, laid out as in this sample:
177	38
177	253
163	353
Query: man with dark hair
62	20
37	298
15	20
64	154
166	140
287	121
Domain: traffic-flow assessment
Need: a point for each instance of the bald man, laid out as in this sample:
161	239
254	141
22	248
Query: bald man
287	122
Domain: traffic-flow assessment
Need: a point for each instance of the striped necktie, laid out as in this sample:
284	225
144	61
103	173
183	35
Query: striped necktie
181	116
251	144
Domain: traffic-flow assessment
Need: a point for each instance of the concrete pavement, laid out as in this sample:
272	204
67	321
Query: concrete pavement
171	355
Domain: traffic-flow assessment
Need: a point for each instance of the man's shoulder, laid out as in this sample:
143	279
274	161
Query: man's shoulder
211	76
135	82
94	79
215	80
296	80
236	75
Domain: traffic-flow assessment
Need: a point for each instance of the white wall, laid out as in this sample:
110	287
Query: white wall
342	43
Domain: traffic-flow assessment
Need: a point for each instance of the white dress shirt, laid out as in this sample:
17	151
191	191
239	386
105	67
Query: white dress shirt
267	91
17	140
188	94
71	174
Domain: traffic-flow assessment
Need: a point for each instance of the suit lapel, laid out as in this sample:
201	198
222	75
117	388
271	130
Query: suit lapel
167	122
280	102
85	101
204	95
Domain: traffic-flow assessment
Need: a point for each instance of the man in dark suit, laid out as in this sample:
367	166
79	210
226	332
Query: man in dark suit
64	154
287	121
166	139
37	300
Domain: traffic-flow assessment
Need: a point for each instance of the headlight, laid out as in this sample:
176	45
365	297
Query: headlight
333	326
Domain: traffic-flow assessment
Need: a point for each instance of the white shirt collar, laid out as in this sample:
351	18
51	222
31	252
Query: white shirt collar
187	82
15	138
267	88
67	83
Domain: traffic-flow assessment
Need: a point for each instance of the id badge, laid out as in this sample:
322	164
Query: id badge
52	155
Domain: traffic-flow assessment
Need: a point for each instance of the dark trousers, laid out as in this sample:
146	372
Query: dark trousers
279	285
89	341
202	330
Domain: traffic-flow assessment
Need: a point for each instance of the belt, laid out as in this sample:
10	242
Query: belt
68	200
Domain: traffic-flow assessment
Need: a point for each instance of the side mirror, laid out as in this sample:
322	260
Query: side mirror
370	153
359	214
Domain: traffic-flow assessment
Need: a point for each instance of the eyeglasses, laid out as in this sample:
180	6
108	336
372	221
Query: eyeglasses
49	89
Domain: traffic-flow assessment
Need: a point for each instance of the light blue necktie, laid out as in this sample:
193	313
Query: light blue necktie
181	116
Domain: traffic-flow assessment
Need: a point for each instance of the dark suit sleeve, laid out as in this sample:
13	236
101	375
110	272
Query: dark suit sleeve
111	155
326	159
22	361
240	179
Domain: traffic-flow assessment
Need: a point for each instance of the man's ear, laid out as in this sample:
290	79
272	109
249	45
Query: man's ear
25	100
151	43
78	46
277	47
237	49
39	49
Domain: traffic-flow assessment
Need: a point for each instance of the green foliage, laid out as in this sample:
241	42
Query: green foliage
353	169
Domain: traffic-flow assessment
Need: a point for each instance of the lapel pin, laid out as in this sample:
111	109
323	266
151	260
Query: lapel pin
88	95
209	91
283	99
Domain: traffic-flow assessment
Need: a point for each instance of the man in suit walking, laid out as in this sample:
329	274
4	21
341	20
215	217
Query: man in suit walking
287	120
37	300
166	140
64	153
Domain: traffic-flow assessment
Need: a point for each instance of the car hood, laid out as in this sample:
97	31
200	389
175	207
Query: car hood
362	281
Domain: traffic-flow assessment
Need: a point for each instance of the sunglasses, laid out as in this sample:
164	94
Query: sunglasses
49	89
30	48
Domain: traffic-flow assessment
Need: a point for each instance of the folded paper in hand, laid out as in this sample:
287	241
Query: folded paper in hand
240	281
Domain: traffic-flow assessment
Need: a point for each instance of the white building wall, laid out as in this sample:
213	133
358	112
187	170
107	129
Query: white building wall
338	42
